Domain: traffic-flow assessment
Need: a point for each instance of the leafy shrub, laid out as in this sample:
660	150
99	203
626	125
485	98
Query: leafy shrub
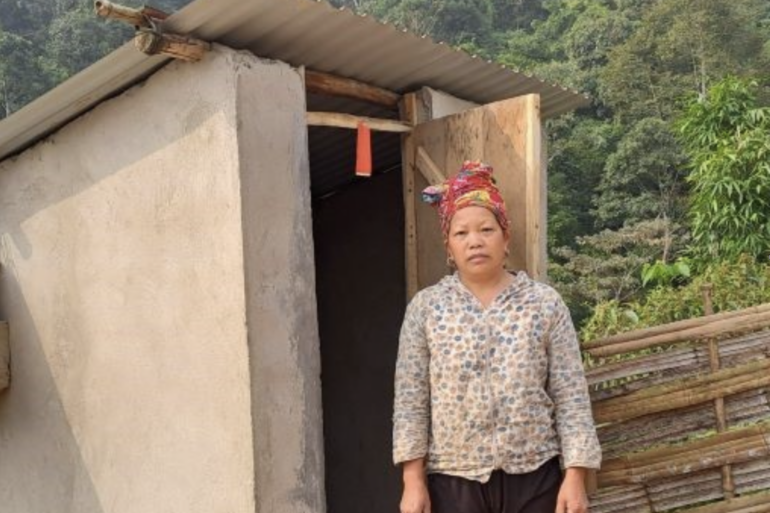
735	285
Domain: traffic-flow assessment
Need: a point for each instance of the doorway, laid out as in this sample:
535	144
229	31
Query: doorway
358	231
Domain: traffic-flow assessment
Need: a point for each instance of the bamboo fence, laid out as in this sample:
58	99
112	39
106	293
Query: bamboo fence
683	415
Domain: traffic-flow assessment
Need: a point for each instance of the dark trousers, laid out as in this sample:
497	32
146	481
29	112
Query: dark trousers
533	492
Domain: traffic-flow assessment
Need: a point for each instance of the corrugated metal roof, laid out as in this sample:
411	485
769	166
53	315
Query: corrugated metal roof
300	32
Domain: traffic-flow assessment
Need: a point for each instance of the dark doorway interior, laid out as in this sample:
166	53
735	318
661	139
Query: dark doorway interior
359	254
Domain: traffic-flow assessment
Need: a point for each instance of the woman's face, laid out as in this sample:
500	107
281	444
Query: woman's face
476	242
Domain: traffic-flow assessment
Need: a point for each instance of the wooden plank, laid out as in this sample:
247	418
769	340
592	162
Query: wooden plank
498	135
431	251
328	84
428	168
536	259
5	356
409	113
338	120
543	213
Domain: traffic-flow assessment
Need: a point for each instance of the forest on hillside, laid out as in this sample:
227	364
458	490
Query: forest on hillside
661	185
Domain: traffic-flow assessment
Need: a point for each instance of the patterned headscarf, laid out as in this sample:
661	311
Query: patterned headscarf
473	186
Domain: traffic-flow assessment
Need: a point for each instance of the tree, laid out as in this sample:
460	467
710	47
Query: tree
681	46
607	266
643	179
578	147
726	137
77	39
21	76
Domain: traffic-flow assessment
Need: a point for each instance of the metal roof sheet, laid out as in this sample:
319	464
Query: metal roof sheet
299	32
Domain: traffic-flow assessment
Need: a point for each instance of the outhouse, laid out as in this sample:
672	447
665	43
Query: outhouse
202	298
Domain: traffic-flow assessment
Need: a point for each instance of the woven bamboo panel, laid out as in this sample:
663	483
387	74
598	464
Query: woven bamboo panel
656	409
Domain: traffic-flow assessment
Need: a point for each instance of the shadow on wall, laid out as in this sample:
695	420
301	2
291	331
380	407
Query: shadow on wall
41	458
93	147
46	411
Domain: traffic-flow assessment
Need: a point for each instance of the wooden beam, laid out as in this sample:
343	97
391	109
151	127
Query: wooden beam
335	119
325	83
179	47
428	168
535	191
5	356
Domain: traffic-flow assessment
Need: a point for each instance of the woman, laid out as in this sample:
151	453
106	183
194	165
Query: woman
490	390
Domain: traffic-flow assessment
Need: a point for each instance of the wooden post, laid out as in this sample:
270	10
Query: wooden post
408	109
728	484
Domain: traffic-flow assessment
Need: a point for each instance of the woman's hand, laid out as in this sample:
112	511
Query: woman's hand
415	498
572	494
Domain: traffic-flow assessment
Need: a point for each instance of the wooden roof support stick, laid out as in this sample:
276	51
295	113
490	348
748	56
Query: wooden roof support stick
728	484
185	48
337	120
136	17
332	85
150	37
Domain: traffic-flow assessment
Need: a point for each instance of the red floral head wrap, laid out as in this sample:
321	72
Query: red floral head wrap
473	186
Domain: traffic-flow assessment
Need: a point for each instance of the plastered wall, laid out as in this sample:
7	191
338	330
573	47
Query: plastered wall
125	287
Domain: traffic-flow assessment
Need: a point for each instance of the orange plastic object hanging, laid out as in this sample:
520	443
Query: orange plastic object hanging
364	150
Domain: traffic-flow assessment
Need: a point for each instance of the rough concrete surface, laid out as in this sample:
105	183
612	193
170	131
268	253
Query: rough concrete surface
280	289
121	242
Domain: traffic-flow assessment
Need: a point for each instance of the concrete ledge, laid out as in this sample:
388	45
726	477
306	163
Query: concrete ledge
5	357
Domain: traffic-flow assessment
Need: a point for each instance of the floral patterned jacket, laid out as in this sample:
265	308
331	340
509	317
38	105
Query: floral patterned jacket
502	387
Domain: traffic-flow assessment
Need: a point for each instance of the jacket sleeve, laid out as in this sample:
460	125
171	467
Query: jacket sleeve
411	408
569	391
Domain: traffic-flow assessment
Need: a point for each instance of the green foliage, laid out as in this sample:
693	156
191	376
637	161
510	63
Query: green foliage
661	273
21	74
608	265
735	285
77	38
680	46
44	42
726	135
578	148
617	192
643	179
